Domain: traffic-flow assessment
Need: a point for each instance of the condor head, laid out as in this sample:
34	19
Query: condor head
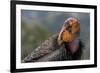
69	34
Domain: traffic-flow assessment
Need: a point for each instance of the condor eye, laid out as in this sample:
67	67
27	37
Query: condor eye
69	28
76	26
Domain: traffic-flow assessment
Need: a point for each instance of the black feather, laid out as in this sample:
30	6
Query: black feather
50	50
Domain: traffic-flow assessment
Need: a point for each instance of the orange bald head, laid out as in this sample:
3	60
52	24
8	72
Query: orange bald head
70	30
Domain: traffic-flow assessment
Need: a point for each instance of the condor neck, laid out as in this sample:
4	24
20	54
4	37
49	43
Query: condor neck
73	46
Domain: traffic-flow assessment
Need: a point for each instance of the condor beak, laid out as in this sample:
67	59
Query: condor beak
60	41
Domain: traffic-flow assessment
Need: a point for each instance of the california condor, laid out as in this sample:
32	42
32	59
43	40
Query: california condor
65	45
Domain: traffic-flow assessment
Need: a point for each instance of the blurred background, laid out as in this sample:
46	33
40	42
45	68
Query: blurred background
37	26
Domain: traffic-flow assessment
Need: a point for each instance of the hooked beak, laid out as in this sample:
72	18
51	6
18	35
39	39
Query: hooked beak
60	41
